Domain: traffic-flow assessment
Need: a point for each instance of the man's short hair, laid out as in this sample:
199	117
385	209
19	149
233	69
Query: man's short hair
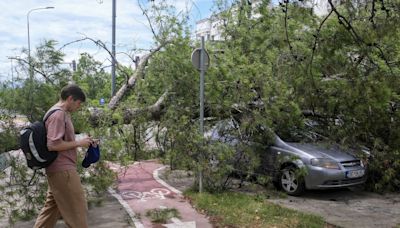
74	91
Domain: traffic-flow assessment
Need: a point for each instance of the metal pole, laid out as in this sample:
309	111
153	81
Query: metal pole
202	70
29	58
29	39
12	74
13	87
29	48
113	48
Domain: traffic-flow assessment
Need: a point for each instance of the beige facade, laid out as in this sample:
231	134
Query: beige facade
210	27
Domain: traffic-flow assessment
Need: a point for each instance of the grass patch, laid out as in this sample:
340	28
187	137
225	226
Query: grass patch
162	215
233	209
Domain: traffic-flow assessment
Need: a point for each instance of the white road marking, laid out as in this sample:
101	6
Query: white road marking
176	222
155	193
128	210
179	224
155	175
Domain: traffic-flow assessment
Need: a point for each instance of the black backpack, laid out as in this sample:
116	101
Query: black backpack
33	142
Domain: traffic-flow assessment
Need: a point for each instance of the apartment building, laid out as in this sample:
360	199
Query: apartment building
210	27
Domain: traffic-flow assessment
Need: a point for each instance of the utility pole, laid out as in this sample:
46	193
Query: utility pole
12	71
73	65
31	74
12	85
201	61
29	39
12	74
114	6
202	71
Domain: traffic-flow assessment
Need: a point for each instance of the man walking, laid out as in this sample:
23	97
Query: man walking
65	195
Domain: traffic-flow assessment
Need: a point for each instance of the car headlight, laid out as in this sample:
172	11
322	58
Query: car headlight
326	163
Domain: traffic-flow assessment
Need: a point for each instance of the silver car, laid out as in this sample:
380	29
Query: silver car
297	166
325	166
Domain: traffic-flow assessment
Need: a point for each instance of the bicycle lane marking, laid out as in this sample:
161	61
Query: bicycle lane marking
127	208
138	188
191	218
138	182
117	169
155	193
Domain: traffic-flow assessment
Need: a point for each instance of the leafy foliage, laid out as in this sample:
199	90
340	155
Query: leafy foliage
162	215
92	78
276	67
24	192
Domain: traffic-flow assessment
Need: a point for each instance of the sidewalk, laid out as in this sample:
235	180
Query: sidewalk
142	191
139	190
109	214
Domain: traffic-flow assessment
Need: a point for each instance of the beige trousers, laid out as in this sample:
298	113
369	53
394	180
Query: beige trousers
66	199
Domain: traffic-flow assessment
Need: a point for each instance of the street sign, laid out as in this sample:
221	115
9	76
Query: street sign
196	59
201	61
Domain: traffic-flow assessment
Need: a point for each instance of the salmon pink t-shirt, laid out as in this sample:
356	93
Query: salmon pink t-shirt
59	127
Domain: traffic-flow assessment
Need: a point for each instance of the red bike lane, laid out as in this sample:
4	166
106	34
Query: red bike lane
140	190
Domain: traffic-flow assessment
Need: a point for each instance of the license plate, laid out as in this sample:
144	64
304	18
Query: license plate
355	173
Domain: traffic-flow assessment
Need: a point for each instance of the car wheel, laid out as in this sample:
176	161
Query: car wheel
291	183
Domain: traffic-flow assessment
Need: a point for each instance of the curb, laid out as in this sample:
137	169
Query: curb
128	210
157	178
126	206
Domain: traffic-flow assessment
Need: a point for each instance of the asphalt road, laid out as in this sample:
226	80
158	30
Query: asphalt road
348	208
140	189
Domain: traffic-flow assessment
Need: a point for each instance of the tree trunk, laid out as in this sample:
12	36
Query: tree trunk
139	73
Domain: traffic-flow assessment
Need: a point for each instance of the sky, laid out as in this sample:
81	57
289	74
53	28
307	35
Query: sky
71	20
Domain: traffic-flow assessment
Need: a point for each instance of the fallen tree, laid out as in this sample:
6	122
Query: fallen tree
139	73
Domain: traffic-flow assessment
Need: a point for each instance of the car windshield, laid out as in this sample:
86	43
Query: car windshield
229	131
225	131
308	133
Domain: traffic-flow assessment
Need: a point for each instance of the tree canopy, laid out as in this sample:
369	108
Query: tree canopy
277	66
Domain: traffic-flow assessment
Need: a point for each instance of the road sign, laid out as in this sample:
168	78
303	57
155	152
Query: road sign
196	59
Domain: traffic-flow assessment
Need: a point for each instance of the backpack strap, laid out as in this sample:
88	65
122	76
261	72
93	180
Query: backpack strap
34	174
49	114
